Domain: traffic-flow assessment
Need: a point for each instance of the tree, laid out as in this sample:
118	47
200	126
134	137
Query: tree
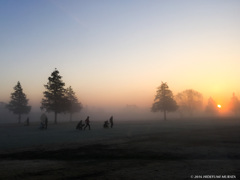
164	100
235	104
54	97
19	102
73	106
189	101
211	107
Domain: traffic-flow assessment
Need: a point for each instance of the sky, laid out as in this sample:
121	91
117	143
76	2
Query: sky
113	53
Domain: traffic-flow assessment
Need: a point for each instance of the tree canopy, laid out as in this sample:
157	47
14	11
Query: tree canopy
54	99
19	102
73	106
164	100
235	104
189	101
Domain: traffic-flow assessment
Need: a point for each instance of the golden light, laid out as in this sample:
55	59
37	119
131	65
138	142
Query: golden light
219	106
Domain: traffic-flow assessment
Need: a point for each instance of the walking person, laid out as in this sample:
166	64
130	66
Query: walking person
87	122
111	121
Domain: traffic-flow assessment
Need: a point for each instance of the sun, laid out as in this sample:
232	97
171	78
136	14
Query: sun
219	106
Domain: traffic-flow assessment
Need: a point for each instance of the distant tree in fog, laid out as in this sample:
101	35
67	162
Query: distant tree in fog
164	100
19	102
54	99
189	101
211	107
235	104
73	106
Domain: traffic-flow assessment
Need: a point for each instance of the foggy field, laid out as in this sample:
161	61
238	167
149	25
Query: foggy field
147	149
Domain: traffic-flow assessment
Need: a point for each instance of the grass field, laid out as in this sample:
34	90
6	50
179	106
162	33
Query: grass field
172	149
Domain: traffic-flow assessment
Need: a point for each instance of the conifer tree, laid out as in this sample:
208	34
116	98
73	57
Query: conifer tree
164	100
19	102
235	104
54	99
73	106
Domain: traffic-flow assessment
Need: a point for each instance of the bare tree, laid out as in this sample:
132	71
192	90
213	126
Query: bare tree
164	100
189	101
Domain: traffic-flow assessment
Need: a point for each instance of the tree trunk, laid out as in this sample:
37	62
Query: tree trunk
55	118
165	117
19	118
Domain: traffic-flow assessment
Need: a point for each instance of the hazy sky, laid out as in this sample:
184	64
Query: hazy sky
117	52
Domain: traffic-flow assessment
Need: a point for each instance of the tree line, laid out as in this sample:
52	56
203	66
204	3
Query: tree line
187	102
58	99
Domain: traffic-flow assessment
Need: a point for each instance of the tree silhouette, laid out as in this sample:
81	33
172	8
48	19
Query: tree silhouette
164	100
54	97
73	106
211	107
19	102
235	104
189	101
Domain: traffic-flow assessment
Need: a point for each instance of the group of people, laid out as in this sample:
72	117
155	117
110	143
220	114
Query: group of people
81	126
106	123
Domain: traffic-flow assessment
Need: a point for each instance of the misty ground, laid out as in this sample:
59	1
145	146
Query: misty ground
131	150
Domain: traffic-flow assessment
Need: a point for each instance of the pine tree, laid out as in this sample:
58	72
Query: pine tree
73	106
19	102
54	97
164	100
235	104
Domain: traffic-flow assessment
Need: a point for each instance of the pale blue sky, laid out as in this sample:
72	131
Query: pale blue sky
118	52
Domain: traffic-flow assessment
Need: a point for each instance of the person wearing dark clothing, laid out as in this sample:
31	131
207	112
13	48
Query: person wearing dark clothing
106	124
87	123
80	125
111	121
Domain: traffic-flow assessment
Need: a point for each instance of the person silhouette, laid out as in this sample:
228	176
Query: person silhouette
80	125
111	121
87	122
106	123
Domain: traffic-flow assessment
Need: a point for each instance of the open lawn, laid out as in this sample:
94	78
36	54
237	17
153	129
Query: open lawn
173	149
